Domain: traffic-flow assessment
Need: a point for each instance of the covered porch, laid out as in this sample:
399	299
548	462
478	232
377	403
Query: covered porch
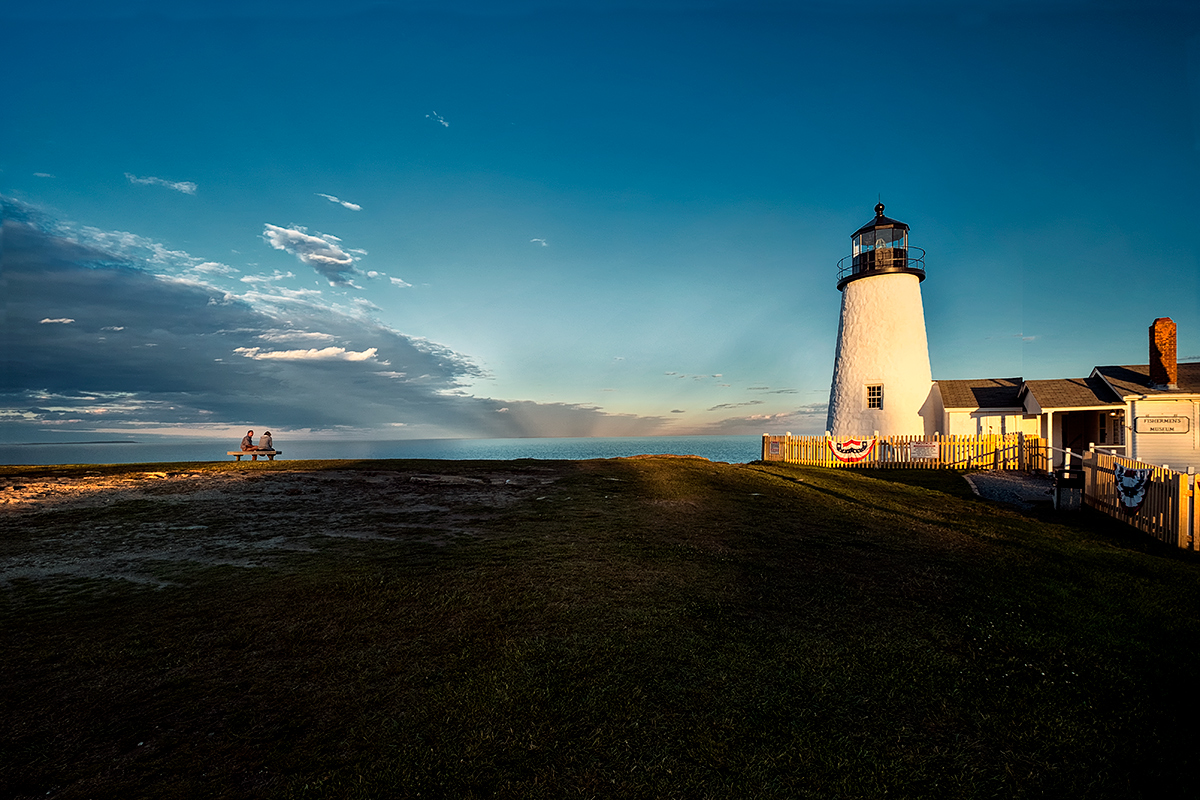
1076	414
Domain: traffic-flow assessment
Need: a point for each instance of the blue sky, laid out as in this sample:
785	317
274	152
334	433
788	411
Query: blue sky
514	219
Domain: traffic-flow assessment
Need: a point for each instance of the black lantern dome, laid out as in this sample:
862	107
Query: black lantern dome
880	246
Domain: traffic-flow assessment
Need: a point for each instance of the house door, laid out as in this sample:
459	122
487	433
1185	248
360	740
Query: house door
1075	430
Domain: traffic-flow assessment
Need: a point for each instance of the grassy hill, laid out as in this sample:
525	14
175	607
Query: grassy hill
650	627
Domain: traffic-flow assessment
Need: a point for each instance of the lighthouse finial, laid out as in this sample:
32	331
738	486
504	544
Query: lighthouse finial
879	210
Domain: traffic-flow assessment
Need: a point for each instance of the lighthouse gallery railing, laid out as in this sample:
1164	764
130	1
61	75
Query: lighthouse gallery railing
906	259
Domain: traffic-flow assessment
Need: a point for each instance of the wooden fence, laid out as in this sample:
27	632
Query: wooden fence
1013	451
1170	511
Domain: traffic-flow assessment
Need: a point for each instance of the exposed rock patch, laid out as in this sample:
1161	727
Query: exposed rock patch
130	526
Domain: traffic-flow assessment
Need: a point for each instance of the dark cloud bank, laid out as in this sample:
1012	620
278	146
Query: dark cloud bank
94	341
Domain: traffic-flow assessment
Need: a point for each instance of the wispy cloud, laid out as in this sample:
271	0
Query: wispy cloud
187	187
343	203
42	175
806	419
295	336
736	405
312	354
215	268
265	279
278	276
131	246
674	374
436	117
321	252
541	242
373	275
281	294
59	321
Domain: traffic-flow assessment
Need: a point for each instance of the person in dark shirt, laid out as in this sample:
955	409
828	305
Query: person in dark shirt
248	441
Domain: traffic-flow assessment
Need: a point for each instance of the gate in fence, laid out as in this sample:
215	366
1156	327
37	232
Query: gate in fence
1013	451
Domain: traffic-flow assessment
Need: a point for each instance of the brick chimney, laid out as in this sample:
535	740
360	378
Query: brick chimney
1164	373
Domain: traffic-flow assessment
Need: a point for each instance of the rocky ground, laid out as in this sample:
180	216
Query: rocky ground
129	525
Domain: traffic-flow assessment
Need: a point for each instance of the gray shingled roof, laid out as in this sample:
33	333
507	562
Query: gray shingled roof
1135	379
1072	393
981	393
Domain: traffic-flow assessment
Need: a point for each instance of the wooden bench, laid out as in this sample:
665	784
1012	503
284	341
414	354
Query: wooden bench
254	454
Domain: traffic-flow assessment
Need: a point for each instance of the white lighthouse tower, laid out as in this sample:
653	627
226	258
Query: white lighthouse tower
881	374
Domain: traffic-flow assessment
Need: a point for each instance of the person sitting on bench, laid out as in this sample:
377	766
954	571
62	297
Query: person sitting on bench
264	448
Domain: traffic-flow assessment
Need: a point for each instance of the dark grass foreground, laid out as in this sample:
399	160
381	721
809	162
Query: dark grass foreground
649	628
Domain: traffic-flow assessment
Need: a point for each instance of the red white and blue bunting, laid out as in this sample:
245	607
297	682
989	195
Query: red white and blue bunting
851	451
1131	486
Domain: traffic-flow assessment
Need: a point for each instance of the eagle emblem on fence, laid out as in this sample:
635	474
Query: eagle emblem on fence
1131	486
851	451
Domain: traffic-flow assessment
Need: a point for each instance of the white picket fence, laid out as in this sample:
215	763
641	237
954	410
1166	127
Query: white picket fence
1170	511
1014	451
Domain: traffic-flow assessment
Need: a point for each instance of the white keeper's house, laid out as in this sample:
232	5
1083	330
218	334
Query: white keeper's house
1148	412
882	382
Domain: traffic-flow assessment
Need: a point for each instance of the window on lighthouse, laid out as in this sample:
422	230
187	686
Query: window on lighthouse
875	395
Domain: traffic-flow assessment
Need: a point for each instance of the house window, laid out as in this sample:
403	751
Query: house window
875	395
1118	427
1103	439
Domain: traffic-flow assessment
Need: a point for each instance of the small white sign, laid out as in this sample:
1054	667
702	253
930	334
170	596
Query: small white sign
1161	424
923	451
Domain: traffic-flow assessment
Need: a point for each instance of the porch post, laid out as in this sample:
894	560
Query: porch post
1050	441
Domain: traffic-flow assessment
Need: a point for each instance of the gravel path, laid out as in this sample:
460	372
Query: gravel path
1020	489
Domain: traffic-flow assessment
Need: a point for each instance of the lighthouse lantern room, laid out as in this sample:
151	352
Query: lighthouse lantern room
881	374
880	246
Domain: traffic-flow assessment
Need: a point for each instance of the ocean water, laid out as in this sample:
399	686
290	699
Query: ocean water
731	449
